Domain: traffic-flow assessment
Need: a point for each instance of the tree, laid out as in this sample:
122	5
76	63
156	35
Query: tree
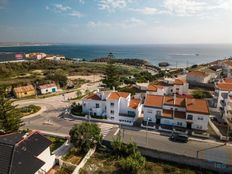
57	76
111	77
78	93
133	163
85	136
9	115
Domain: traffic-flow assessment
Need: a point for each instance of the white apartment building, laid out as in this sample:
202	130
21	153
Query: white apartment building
227	68
169	87
116	106
198	76
176	112
222	89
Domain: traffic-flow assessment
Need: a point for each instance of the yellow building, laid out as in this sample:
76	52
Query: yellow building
24	91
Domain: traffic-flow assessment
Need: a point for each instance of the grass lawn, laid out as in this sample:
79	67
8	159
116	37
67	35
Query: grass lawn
56	142
73	156
28	110
103	162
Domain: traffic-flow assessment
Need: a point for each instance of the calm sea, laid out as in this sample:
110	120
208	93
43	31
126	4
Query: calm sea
180	55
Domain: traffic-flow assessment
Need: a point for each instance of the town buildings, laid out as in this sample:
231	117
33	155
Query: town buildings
24	91
115	106
198	77
25	154
227	68
222	89
47	88
176	112
169	86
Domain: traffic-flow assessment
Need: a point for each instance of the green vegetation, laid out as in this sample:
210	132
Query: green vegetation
65	170
76	109
58	76
56	142
201	94
111	79
85	136
74	155
28	110
103	161
9	114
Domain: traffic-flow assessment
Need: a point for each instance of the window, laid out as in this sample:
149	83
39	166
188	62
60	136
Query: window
112	112
149	111
200	118
131	113
111	104
177	89
179	123
176	109
97	105
158	112
189	117
199	127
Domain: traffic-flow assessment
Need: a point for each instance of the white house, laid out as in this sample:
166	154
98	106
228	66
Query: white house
198	76
169	87
118	107
176	112
227	68
48	88
227	116
25	154
222	89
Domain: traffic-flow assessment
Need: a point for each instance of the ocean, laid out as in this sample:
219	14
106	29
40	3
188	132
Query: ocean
176	55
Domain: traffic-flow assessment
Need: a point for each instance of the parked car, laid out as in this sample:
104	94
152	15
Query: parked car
179	137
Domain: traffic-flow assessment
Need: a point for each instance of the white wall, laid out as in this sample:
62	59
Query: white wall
48	90
48	159
150	113
88	105
197	123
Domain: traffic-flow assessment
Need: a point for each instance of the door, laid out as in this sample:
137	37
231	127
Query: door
158	121
53	89
189	125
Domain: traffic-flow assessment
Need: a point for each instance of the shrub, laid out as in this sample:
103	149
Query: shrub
201	94
85	136
133	163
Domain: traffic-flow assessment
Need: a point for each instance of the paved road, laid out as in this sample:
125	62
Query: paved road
210	151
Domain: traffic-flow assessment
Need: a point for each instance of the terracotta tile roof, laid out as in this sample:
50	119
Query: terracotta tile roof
154	101
227	80
45	86
93	97
152	88
224	86
197	73
134	103
169	100
197	106
117	95
229	63
24	89
180	115
167	113
179	82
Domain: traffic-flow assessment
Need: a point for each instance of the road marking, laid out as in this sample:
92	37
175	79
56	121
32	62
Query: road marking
116	132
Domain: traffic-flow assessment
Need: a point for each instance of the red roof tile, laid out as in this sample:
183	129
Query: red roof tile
134	103
197	106
154	101
117	95
93	97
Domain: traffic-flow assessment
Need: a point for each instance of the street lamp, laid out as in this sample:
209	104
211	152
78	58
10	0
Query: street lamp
148	119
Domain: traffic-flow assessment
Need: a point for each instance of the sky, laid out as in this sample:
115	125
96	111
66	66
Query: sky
116	21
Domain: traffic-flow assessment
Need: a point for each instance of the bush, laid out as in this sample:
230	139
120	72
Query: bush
121	149
133	163
201	94
85	136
